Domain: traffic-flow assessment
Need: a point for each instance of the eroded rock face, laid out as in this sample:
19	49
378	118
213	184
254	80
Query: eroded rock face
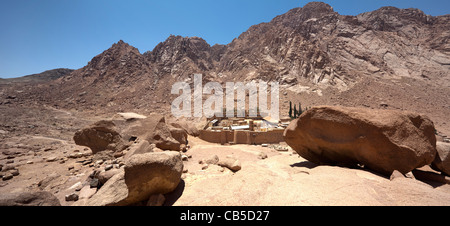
381	140
144	175
152	173
102	135
155	130
119	133
41	198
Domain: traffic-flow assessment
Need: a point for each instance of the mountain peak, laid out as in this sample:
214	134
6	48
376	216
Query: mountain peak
318	7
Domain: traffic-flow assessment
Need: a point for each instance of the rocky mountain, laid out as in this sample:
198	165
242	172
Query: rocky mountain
45	76
394	58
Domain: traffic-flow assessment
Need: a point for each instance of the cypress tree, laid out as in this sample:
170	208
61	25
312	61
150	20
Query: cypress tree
290	109
295	111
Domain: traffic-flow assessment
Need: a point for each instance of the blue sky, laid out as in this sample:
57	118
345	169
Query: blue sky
38	35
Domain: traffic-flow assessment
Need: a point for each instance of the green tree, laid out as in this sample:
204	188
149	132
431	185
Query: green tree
290	109
295	111
300	111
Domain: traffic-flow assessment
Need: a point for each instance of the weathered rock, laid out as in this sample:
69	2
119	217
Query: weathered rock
214	159
102	135
71	197
144	175
112	193
51	159
104	176
140	147
231	163
7	176
154	130
152	173
442	160
189	127
48	180
41	198
382	140
87	192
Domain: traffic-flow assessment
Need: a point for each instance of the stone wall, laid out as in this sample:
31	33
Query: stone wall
242	136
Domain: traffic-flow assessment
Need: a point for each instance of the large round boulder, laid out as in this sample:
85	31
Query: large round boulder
382	140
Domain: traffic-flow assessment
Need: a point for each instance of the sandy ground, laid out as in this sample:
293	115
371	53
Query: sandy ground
285	179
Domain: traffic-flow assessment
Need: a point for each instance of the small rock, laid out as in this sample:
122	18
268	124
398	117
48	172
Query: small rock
77	186
262	155
7	168
184	157
14	172
108	167
231	163
51	159
71	197
264	145
30	162
211	160
7	176
410	175
396	174
205	166
281	148
118	154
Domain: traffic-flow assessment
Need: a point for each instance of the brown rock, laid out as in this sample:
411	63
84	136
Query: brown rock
231	163
189	127
41	198
112	193
214	159
152	173
382	140
442	160
102	135
154	130
140	147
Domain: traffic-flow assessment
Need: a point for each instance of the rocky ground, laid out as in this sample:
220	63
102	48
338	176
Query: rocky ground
45	158
395	59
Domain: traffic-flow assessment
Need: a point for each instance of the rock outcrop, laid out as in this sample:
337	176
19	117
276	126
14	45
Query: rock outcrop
152	173
442	160
382	140
40	198
155	130
102	135
119	133
144	175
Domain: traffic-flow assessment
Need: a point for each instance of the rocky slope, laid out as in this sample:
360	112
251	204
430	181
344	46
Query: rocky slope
388	58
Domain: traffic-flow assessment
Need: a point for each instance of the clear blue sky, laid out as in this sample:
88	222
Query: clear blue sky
38	35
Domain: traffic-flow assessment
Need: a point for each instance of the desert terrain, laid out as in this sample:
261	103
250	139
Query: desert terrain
388	59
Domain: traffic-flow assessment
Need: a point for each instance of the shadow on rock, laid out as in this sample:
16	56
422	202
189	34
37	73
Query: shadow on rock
172	197
307	164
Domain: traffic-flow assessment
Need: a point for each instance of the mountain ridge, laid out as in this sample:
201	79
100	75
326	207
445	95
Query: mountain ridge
317	55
